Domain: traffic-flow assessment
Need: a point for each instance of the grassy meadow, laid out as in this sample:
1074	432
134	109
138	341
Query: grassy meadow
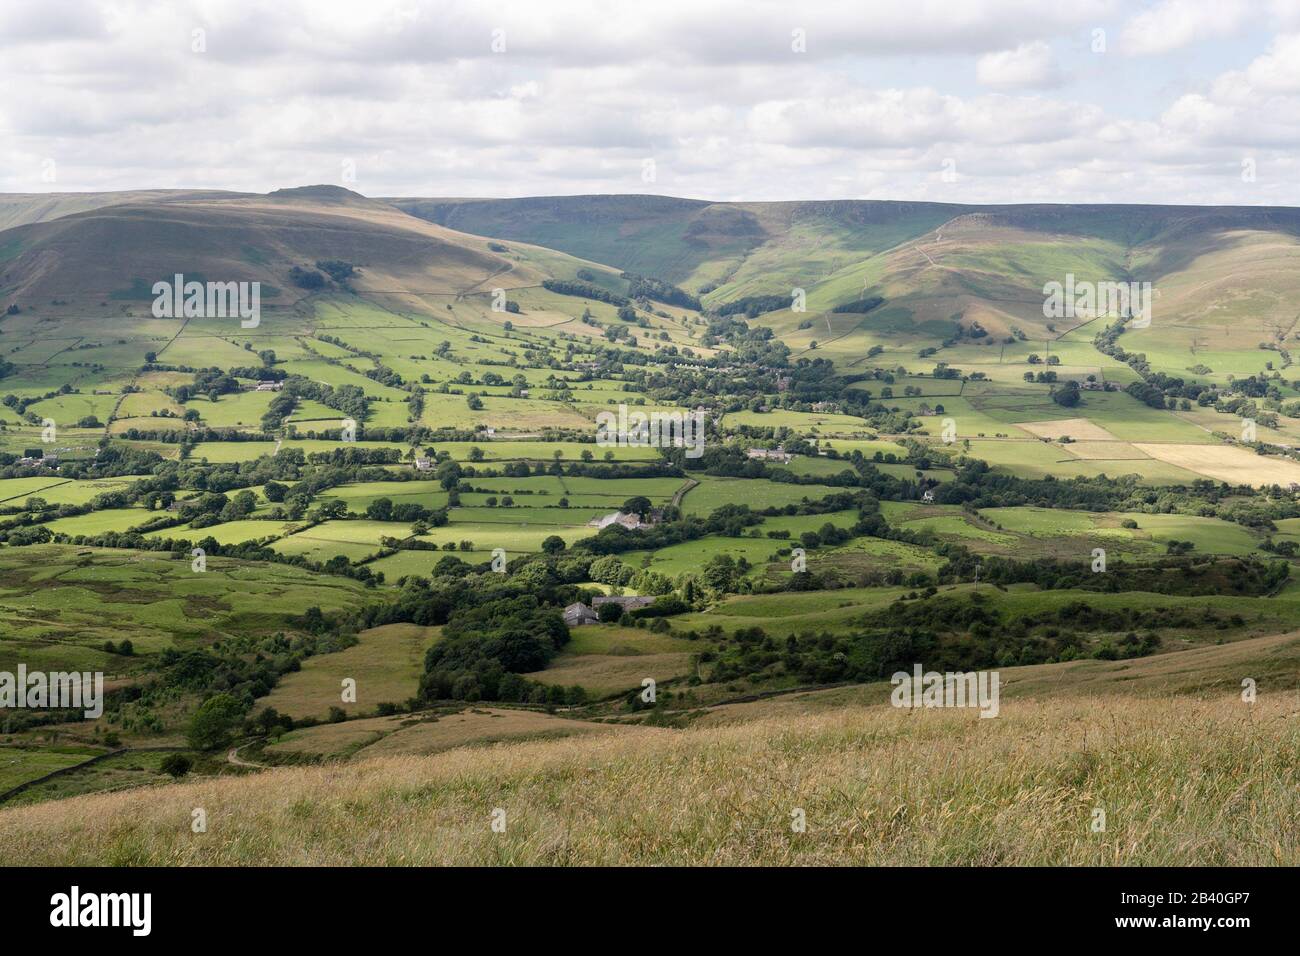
1180	781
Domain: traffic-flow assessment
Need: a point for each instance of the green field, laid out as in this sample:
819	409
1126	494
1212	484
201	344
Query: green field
385	665
921	389
60	604
713	493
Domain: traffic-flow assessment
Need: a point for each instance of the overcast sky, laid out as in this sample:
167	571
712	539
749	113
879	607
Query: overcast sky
1194	101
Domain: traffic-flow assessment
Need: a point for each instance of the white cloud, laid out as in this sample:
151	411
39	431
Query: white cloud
413	94
1028	66
1174	24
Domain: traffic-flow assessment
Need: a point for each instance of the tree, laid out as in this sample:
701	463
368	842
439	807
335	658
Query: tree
609	612
213	723
534	577
637	505
719	572
381	509
176	765
610	570
652	582
553	545
242	504
1067	397
448	474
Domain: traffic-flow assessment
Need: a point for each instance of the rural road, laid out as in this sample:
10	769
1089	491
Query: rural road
233	758
681	492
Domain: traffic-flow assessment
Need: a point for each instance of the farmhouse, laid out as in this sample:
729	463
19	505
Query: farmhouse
769	454
578	614
424	464
630	521
269	386
49	461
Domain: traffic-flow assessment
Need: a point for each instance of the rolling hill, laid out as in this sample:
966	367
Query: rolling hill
111	248
1224	277
919	290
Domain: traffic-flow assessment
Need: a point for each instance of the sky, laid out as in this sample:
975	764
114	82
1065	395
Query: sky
980	101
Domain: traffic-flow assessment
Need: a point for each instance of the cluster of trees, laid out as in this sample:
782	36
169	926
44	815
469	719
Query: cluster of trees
483	644
232	674
752	306
383	509
351	400
584	290
641	287
859	305
952	634
311	279
1177	574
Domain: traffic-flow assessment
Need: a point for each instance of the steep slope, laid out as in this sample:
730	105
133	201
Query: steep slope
1228	267
736	248
19	209
114	254
655	235
1224	278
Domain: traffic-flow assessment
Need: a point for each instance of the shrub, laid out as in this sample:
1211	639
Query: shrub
176	765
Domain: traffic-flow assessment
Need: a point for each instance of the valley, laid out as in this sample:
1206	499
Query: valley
374	547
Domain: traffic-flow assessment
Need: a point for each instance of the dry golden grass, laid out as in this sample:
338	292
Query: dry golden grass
1182	781
1235	465
1105	451
603	674
1273	662
1080	429
429	734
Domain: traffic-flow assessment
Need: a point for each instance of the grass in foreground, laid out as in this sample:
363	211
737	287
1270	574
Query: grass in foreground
1182	782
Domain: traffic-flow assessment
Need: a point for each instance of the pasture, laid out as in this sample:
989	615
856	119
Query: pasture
386	665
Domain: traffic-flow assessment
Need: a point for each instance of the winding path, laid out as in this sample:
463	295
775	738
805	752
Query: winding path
234	758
